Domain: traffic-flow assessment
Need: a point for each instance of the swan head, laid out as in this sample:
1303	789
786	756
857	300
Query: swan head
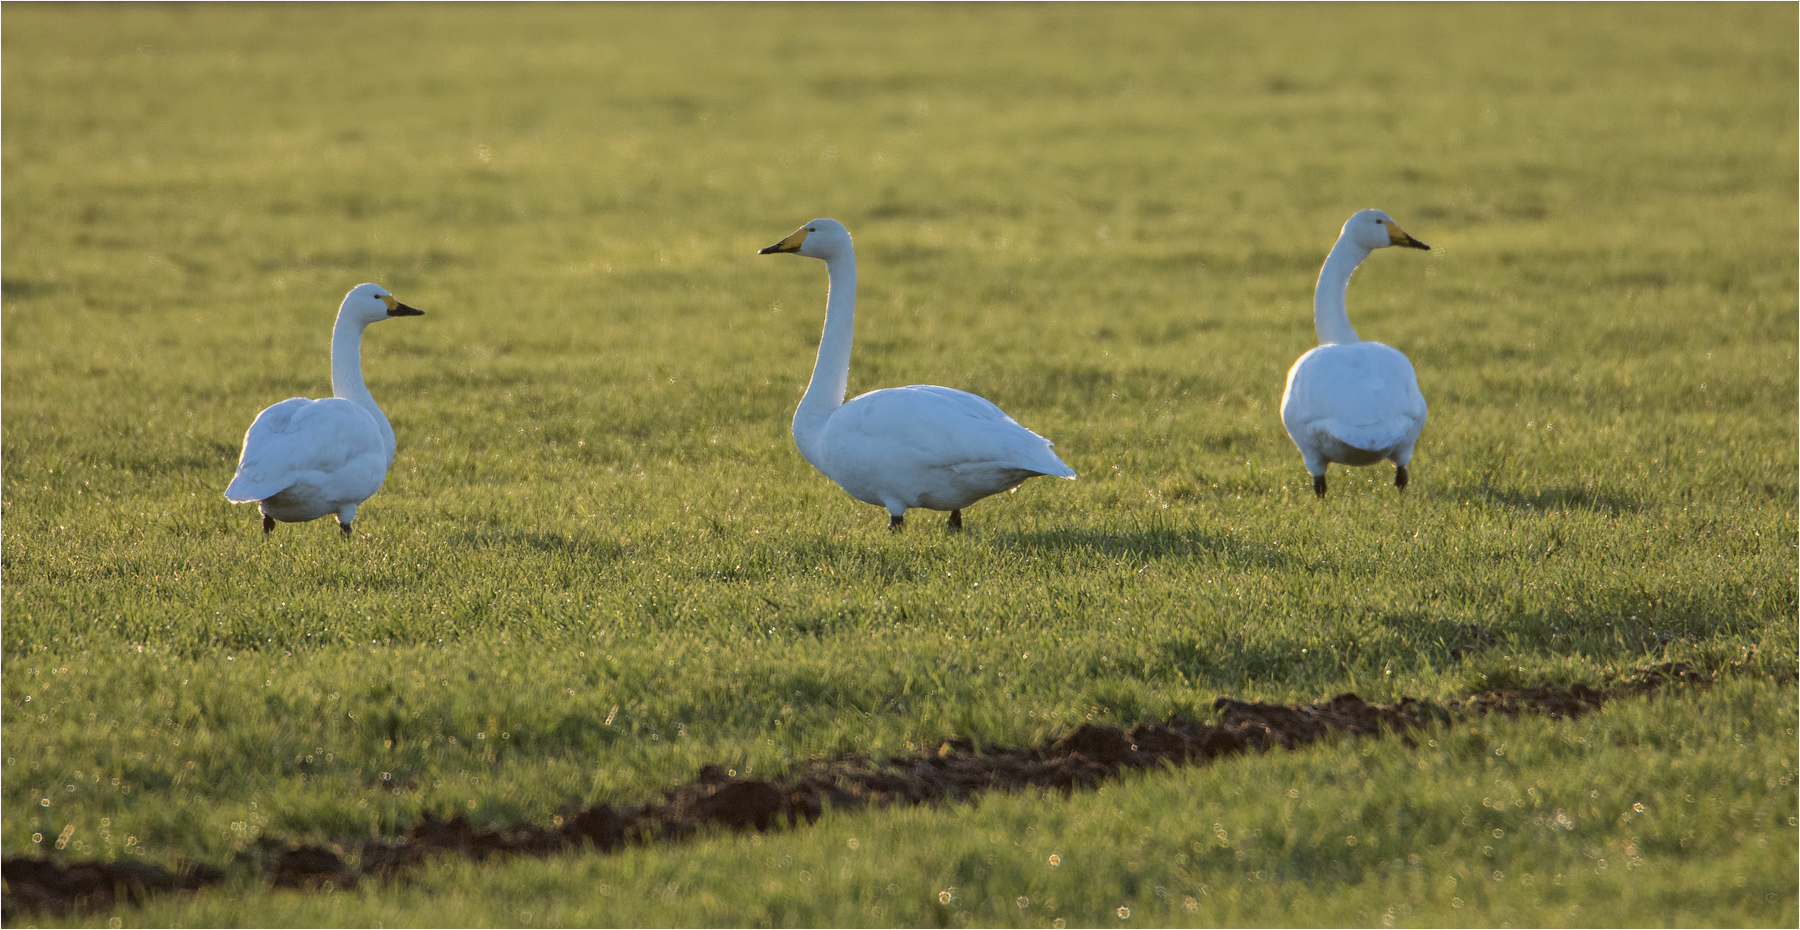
367	303
1374	229
820	238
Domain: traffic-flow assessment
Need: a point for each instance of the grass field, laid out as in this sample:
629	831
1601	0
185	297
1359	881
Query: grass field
599	562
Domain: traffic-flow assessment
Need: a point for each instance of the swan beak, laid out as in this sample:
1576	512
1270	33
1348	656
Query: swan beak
790	244
396	308
1398	236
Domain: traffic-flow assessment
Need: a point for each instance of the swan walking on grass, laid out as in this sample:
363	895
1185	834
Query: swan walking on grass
1350	401
304	458
915	446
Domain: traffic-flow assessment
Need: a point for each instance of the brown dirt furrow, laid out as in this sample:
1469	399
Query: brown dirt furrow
954	770
43	885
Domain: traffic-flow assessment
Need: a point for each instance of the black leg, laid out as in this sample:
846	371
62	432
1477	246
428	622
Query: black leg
268	524
1400	477
897	522
955	523
345	527
1319	485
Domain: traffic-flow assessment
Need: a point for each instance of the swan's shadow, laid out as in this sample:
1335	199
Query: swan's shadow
1555	499
1376	642
26	288
583	546
1231	551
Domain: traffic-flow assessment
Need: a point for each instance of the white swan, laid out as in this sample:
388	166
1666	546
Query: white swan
303	458
1350	401
914	446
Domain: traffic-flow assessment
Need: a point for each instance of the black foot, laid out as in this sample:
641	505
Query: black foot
1319	485
955	523
345	527
268	524
1400	477
897	522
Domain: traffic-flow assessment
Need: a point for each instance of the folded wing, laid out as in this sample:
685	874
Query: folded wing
325	442
940	427
1363	395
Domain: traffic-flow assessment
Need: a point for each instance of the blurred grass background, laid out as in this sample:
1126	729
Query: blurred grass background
1105	219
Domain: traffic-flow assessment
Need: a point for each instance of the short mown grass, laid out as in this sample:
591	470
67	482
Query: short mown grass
1661	810
598	561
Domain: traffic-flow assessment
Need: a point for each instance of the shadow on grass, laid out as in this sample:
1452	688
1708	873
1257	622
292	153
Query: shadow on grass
1153	543
1552	499
27	288
1402	641
583	546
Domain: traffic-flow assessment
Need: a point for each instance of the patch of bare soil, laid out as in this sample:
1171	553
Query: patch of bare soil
43	885
714	800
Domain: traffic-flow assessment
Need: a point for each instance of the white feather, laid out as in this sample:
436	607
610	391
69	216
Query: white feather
304	459
1349	401
915	446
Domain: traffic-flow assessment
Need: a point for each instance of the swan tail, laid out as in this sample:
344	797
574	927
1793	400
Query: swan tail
1015	469
244	490
1042	460
1061	470
1375	438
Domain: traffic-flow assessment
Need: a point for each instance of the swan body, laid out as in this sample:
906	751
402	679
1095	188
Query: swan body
304	459
1349	401
898	448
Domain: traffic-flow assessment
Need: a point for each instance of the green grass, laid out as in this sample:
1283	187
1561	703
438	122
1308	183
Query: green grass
599	562
1661	810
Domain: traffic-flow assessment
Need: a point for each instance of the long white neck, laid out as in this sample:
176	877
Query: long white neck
346	373
831	371
1329	316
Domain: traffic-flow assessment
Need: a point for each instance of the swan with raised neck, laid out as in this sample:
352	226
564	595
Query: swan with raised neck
1350	401
915	446
830	241
303	458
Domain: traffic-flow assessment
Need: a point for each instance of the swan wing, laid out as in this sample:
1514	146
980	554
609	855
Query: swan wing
332	443
927	426
1363	395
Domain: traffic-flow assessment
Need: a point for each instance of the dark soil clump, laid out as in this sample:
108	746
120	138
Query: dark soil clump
716	800
310	867
44	886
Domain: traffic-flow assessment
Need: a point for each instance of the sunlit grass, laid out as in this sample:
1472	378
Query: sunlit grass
1671	811
598	561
